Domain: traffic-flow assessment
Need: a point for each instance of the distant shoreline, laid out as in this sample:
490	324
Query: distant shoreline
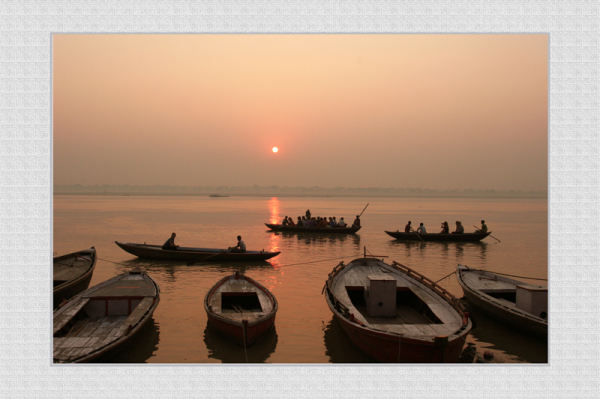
290	195
276	191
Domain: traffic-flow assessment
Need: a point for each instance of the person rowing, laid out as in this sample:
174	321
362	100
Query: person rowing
421	229
483	228
240	247
170	244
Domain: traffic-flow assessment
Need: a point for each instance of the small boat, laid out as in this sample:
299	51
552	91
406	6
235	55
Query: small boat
218	196
324	230
194	254
396	315
439	237
72	274
103	319
240	308
520	305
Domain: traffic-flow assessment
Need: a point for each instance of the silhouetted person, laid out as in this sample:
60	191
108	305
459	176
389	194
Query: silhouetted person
408	228
445	228
483	228
459	228
422	229
240	247
170	244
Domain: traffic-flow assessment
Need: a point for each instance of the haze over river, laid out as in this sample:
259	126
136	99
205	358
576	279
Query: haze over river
305	331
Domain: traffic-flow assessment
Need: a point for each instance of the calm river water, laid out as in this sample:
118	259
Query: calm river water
305	331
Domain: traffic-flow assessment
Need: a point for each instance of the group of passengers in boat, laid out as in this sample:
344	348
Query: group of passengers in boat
310	221
445	228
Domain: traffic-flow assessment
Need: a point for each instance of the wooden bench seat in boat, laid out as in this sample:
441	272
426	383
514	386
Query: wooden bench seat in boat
67	316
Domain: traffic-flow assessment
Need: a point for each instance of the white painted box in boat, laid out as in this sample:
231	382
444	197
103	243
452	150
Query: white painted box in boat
380	296
533	299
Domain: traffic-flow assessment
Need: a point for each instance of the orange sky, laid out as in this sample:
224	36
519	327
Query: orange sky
428	111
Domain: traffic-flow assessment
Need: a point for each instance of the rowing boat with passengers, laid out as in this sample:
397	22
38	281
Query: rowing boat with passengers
439	237
324	230
193	254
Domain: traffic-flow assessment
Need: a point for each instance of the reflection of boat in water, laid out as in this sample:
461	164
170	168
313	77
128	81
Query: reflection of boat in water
394	314
520	305
338	346
145	346
438	237
72	274
103	319
240	308
320	230
498	336
221	348
310	238
193	254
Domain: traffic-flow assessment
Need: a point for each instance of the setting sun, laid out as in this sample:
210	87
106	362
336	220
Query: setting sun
275	149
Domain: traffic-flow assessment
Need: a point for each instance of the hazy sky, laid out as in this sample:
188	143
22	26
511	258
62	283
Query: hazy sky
401	111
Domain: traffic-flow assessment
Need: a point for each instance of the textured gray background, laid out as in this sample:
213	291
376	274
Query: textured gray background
26	199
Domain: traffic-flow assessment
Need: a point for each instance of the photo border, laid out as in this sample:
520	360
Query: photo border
26	198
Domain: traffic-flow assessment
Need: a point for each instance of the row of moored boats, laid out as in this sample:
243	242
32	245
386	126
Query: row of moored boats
389	311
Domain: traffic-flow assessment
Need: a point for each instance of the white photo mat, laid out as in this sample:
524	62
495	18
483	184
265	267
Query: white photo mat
26	29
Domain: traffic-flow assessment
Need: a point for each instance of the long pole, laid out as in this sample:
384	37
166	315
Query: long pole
490	234
363	210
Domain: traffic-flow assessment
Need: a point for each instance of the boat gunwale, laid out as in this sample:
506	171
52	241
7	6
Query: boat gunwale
228	320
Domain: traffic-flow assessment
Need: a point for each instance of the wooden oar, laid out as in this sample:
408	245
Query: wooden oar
363	210
203	259
490	234
417	234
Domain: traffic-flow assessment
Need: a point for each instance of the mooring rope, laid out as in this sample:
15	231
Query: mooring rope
445	277
511	275
278	266
500	274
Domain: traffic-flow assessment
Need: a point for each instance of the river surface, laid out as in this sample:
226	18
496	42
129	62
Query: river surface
305	331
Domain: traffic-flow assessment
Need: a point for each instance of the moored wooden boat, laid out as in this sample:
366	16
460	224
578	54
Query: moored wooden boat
324	230
194	254
439	237
103	319
72	274
520	305
394	314
240	308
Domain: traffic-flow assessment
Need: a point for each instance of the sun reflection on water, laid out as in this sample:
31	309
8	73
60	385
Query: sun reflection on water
274	239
